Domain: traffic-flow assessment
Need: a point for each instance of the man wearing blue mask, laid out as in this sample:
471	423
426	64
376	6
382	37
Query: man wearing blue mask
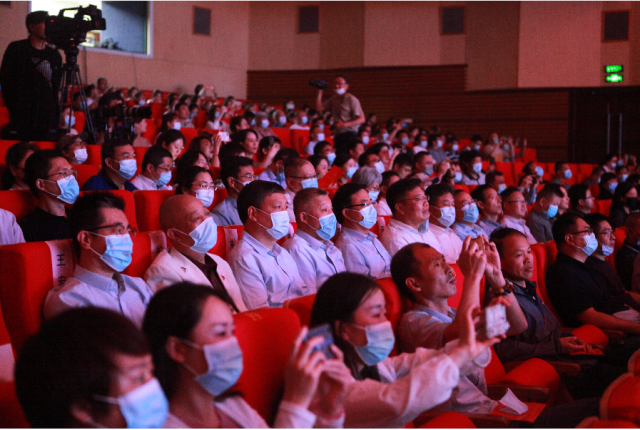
235	173
192	232
362	251
275	171
562	174
299	174
442	208
539	218
118	167
471	164
495	179
311	247
52	181
265	272
467	215
103	241
156	170
490	206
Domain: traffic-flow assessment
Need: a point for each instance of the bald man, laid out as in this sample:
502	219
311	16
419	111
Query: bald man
192	231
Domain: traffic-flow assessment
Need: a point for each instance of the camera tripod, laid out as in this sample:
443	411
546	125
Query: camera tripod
70	79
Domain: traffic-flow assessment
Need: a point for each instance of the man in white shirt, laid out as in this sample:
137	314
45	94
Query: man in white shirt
443	214
388	178
490	206
514	207
299	174
192	231
265	272
311	247
102	238
182	110
410	221
362	251
156	170
10	231
316	134
275	171
235	173
467	215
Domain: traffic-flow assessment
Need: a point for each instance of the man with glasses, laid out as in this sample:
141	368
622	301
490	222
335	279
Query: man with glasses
490	206
118	166
514	209
573	285
299	174
540	218
275	171
103	241
581	200
467	214
236	172
156	170
442	215
362	251
410	221
53	182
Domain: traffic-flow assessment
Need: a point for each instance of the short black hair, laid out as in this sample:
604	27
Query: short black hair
387	176
403	160
304	197
85	214
231	167
343	77
108	149
185	177
286	155
70	360
342	159
563	225
36	17
468	156
404	265
316	159
548	191
377	147
478	193
168	137
15	154
491	176
37	167
253	194
241	135
155	156
342	198
266	143
500	234
320	147
363	160
576	193
558	165
398	191
189	158
509	192
231	149
595	219
606	177
434	192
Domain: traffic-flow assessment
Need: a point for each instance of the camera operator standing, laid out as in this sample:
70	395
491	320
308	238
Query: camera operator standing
29	76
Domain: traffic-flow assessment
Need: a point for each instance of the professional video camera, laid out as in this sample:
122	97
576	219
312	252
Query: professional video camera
65	32
121	111
122	117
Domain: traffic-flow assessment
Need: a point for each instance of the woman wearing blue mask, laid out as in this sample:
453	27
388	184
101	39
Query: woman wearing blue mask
198	359
371	178
345	167
389	391
196	181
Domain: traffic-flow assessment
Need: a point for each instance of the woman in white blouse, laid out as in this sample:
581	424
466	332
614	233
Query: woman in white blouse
197	359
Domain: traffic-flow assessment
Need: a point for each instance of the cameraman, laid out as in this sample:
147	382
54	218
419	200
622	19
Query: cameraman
29	76
346	110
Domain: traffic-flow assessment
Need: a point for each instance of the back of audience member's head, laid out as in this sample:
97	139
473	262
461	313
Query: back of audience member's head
15	154
342	198
266	143
231	149
108	149
70	361
366	176
174	312
231	168
576	193
286	155
253	195
86	213
399	190
387	177
565	224
304	199
499	235
38	166
155	156
405	265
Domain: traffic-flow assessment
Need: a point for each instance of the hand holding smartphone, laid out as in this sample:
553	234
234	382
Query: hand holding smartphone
324	331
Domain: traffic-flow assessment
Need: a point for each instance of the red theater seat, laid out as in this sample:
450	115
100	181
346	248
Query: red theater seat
93	155
228	237
448	420
283	135
148	205
604	206
85	171
621	399
12	415
146	247
302	306
299	140
19	203
188	133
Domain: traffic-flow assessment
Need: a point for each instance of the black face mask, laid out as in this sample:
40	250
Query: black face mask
632	203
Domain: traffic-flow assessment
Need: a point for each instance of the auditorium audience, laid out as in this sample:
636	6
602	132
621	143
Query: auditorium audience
471	164
528	186
311	248
191	158
235	173
595	176
362	251
118	167
388	178
198	182
490	206
321	164
89	368
103	243
625	201
156	170
299	174
442	215
325	149
540	217
580	200
139	128
562	173
265	272
514	209
52	180
73	148
626	255
182	110
410	221
16	157
467	215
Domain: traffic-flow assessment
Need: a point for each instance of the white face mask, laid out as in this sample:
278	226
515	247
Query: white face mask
320	137
340	91
447	215
264	123
477	167
80	155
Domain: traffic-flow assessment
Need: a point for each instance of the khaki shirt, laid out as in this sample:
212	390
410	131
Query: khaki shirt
345	107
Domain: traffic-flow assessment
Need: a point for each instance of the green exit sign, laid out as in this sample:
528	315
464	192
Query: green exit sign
614	78
613	68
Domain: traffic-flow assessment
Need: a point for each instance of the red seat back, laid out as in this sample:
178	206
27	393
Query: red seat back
228	237
604	206
188	133
93	155
449	420
379	226
620	400
85	171
265	337
507	171
12	415
147	204
302	306
299	140
146	247
544	255
284	135
19	203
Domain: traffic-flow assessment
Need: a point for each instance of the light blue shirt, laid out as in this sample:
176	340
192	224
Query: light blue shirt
269	176
364	254
463	230
316	260
91	289
226	213
266	277
489	225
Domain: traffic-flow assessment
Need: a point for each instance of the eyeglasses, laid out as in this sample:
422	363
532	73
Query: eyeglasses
248	176
376	189
516	201
302	178
364	205
66	173
588	231
468	202
204	186
416	199
120	229
606	232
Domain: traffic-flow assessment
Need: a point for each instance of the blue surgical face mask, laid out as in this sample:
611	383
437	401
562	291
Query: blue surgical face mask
501	188
477	147
216	114
281	224
379	167
351	171
380	341
471	213
539	171
455	147
304	120
606	250
458	177
365	140
373	195
224	361
264	123
331	157
477	167
177	125
439	143
424	143
370	216
118	252
612	186
591	244
552	211
620	162
320	137
496	140
428	170
205	196
282	120
69	189
127	168
405	140
567	174
204	236
328	226
447	215
309	183
385	136
321	127
624	177
144	407
164	179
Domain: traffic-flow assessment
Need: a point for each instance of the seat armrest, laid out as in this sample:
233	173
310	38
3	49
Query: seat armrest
480	420
523	392
571	369
613	335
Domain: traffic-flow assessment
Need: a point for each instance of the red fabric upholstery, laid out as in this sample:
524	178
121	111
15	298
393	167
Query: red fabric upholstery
129	205
299	140
462	187
596	423
147	204
621	399
188	133
591	334
220	248
12	415
544	256
376	227
634	364
266	337
507	171
604	206
302	306
45	145
395	302
157	109
449	420
219	195
142	256
284	135
531	154
19	203
93	155
85	171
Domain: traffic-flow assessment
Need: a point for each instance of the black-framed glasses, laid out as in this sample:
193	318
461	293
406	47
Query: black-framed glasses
608	232
120	229
588	231
66	173
363	205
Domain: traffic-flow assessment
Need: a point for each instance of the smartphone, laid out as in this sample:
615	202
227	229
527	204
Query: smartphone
224	136
324	331
495	319
480	242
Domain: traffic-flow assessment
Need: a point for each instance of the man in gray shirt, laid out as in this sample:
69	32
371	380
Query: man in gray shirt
545	208
346	110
